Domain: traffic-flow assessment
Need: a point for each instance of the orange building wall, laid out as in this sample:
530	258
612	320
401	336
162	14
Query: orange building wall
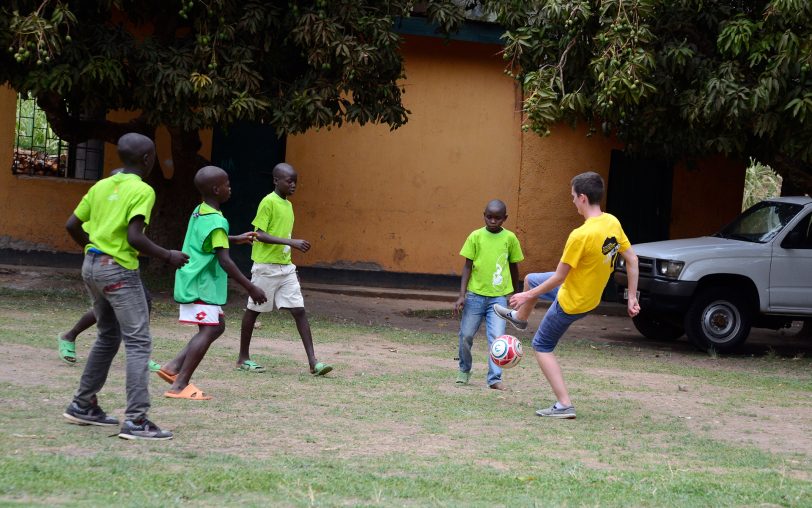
33	210
405	200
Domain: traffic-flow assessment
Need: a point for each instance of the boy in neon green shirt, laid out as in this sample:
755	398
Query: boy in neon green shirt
489	273
273	270
201	285
117	209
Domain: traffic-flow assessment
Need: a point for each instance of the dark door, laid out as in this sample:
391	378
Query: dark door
248	151
639	195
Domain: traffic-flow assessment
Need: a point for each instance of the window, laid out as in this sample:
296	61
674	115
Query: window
38	151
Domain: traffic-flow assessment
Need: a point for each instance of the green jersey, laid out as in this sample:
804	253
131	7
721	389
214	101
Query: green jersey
202	279
491	254
106	211
275	217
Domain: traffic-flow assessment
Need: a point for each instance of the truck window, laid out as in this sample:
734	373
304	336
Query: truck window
761	222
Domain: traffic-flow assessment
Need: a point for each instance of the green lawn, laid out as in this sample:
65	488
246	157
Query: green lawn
389	428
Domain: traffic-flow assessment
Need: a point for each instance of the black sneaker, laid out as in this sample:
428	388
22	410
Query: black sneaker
93	415
143	429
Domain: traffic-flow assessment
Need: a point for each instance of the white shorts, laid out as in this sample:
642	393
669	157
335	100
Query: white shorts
200	314
281	286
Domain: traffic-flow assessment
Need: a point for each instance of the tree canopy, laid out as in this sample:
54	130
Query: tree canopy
672	79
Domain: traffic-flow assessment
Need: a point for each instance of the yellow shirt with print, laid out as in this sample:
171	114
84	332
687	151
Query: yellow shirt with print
590	252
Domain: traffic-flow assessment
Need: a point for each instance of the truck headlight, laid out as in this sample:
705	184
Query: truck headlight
668	268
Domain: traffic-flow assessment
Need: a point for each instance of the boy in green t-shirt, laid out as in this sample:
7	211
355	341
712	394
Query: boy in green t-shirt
488	275
273	270
116	210
201	285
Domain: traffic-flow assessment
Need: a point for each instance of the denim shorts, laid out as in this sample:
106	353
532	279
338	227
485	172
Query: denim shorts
552	328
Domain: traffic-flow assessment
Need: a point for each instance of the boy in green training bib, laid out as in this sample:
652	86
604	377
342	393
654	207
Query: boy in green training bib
201	286
488	275
274	271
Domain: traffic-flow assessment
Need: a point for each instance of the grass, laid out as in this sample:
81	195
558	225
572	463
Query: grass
389	427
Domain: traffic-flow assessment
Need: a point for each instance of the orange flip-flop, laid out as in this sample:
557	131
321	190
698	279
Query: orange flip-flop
169	378
191	392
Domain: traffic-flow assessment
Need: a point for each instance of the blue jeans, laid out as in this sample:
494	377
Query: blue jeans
122	314
555	322
477	308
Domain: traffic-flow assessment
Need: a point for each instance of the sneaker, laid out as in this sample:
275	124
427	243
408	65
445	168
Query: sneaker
143	429
463	378
93	415
553	412
507	315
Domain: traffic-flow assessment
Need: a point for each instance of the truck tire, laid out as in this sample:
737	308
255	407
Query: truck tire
654	327
718	319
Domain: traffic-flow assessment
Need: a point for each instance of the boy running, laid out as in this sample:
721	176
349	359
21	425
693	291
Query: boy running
585	266
273	270
117	209
201	285
489	273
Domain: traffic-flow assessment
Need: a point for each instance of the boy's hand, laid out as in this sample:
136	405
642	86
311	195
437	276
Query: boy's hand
633	306
302	245
257	294
244	238
519	299
176	258
459	304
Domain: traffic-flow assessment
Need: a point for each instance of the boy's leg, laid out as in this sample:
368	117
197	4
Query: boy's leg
87	320
495	327
249	319
531	281
187	361
472	313
303	325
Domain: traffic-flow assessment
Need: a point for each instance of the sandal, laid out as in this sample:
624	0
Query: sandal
191	392
251	366
321	369
67	350
166	376
154	366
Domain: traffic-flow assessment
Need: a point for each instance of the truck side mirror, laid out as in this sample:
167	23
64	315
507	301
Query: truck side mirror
792	240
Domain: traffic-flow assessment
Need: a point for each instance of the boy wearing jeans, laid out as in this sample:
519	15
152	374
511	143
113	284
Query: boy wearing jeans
489	273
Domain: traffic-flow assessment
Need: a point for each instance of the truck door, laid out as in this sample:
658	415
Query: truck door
791	270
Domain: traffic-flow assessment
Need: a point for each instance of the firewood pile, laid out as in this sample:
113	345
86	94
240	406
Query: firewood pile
32	162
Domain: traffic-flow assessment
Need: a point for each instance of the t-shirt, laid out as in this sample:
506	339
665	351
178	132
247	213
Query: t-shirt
275	217
202	278
107	209
590	251
491	254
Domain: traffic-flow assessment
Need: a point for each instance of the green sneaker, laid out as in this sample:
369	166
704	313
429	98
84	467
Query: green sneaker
463	377
154	366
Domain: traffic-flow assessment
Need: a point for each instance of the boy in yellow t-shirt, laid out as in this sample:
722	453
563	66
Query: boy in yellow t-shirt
488	275
585	266
274	271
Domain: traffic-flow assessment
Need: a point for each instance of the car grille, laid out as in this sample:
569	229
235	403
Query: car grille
646	266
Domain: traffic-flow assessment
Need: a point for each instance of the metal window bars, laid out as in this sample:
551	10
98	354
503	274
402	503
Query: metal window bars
38	151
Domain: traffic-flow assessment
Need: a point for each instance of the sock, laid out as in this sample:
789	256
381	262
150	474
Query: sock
559	405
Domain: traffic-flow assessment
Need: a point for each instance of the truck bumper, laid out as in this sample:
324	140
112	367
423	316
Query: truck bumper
658	295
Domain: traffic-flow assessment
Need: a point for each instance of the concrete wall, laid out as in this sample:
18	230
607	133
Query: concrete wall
405	201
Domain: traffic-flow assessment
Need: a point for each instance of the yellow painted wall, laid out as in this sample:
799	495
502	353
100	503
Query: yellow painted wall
405	201
33	210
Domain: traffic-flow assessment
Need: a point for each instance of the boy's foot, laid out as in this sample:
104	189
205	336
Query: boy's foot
67	350
93	415
143	429
321	369
498	386
250	366
556	412
508	315
463	378
154	366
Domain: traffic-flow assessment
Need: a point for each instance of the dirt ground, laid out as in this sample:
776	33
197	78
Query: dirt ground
666	394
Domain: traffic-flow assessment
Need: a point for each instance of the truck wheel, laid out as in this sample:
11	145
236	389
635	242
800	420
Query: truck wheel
718	319
654	327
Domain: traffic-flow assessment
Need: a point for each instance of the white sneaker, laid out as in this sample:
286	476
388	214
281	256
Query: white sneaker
507	315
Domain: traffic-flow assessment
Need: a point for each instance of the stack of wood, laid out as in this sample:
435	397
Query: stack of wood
32	162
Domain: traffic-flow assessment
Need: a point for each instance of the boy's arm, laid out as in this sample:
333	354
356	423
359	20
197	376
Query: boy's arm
466	276
74	227
302	245
553	282
224	258
514	277
242	239
140	242
633	272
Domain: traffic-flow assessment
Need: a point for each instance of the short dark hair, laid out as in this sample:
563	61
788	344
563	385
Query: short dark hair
589	184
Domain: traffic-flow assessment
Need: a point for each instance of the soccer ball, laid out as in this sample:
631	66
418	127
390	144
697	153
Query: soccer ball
506	351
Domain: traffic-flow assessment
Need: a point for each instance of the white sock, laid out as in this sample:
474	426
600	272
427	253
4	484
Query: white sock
559	405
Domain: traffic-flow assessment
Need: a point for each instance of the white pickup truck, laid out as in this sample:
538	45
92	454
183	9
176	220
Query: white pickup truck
755	272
